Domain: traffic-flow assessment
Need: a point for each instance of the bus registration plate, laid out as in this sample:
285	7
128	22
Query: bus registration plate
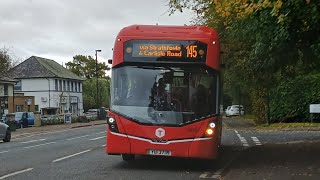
159	152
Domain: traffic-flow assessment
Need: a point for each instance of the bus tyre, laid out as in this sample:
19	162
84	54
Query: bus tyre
128	157
8	136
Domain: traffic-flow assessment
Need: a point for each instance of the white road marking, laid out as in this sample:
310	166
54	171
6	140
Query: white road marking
102	132
41	133
47	132
208	175
33	141
39	145
77	137
204	175
66	157
15	173
256	141
3	152
242	139
97	138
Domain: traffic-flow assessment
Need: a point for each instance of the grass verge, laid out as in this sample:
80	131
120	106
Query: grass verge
289	125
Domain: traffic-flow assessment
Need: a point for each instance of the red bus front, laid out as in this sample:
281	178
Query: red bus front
162	102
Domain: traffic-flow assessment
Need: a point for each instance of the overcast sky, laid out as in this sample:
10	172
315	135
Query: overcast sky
60	29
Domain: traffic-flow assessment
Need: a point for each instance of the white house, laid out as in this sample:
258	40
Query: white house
55	88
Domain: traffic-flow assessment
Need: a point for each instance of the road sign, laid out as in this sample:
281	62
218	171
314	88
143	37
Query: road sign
314	108
68	118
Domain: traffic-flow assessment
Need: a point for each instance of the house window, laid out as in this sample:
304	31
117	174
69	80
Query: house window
68	85
60	85
3	102
80	87
19	108
56	84
36	108
17	86
5	89
76	85
64	85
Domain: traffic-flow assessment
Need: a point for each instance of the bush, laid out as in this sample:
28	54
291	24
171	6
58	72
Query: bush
291	99
12	125
83	118
52	120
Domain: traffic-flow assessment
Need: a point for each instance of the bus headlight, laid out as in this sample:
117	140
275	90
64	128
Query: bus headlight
113	124
111	120
212	125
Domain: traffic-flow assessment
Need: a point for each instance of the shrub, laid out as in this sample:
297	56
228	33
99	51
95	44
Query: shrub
291	99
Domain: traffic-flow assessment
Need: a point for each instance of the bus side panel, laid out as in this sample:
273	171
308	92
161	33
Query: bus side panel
204	149
117	144
213	55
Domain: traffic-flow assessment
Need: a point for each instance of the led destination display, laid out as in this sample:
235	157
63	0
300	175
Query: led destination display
159	50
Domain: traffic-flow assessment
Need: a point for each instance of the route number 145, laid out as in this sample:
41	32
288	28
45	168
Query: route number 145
192	51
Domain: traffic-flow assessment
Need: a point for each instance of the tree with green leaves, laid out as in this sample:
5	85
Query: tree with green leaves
265	42
85	66
89	93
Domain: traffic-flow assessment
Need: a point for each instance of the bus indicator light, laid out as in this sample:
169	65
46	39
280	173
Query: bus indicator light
201	52
129	50
209	132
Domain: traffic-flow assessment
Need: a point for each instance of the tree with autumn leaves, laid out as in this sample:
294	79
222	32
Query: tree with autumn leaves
267	45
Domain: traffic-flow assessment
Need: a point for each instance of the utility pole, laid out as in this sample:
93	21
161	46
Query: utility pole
97	85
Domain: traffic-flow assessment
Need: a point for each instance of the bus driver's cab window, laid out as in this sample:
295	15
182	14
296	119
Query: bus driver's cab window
138	94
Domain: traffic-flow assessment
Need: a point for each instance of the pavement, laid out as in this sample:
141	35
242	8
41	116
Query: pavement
77	151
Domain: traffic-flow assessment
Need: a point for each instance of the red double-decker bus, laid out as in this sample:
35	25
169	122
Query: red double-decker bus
165	92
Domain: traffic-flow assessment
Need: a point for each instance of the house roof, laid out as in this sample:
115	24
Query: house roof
37	67
6	79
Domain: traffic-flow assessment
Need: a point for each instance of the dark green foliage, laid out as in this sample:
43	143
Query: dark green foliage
89	94
290	100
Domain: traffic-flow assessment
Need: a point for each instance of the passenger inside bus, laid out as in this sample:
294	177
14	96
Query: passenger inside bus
159	96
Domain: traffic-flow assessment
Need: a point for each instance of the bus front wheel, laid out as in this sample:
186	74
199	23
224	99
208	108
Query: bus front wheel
128	157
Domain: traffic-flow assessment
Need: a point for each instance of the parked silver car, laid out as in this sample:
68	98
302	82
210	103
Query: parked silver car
5	133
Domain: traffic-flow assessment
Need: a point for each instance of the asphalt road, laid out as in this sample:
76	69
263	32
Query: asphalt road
80	154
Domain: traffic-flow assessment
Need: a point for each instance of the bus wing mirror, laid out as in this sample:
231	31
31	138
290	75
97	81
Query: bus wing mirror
109	61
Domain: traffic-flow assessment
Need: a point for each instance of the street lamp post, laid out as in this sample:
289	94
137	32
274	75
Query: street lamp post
97	100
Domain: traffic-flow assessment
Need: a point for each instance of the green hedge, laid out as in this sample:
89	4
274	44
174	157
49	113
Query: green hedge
291	99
